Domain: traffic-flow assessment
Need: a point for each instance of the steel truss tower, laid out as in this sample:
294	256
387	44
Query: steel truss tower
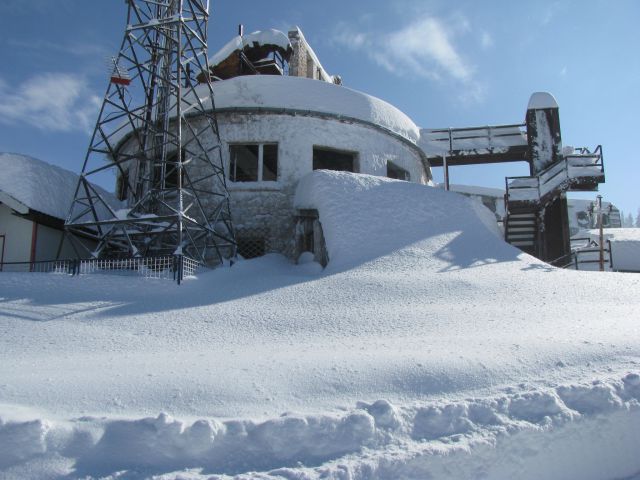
157	137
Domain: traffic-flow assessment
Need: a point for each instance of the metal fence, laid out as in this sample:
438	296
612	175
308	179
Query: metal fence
173	267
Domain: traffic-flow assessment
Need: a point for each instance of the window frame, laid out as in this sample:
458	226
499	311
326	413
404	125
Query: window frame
260	171
393	166
354	154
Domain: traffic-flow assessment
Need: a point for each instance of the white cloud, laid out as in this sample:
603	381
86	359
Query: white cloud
55	102
423	48
486	40
78	49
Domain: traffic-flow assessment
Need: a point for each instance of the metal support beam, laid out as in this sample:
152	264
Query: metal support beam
174	198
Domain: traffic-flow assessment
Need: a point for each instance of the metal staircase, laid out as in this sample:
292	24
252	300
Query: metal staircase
527	198
521	230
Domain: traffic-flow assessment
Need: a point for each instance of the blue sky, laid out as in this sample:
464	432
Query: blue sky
444	63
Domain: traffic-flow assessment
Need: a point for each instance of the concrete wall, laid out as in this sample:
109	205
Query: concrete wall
17	236
266	208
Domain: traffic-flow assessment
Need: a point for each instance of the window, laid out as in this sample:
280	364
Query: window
327	159
122	185
253	163
170	172
399	173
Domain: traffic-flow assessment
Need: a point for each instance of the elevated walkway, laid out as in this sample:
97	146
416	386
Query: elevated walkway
536	213
475	145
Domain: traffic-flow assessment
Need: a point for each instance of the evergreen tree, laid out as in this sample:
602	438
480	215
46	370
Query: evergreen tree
638	219
629	221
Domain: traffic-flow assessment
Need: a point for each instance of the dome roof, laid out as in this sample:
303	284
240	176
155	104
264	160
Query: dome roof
296	93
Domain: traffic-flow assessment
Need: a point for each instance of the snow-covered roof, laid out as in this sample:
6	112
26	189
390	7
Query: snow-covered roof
260	37
36	185
296	93
617	234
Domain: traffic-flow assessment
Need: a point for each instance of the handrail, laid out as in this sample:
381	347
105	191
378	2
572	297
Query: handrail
489	132
544	178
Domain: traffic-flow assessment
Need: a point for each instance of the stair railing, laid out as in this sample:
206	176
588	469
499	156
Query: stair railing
534	188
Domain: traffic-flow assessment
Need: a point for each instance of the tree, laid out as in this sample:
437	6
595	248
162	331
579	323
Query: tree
638	219
629	221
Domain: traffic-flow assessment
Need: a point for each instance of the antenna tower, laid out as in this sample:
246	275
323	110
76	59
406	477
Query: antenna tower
158	136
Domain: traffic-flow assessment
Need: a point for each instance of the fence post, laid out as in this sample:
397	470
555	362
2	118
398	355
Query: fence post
180	266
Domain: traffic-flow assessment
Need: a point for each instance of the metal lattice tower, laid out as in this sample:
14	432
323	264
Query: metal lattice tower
157	132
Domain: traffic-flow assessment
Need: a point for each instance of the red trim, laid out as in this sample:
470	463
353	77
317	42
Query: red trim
34	242
121	81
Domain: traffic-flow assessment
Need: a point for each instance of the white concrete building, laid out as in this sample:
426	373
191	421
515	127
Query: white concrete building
276	128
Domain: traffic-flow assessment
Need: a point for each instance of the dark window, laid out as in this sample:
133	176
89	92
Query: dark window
122	188
399	173
270	162
583	219
170	172
244	163
333	160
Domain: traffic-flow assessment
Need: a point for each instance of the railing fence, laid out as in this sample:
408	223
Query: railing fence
173	267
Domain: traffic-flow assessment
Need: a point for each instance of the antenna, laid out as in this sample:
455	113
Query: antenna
158	137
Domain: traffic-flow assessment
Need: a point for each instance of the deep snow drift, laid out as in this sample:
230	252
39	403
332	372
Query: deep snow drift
427	348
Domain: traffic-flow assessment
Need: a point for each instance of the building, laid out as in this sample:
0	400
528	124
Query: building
281	115
279	125
34	202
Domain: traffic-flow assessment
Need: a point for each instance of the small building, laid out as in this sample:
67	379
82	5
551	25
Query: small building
34	201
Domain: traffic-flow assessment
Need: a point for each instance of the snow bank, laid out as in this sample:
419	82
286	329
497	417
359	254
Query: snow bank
545	430
428	348
364	217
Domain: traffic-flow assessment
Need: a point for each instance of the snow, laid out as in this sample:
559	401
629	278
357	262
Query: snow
617	234
271	91
428	348
38	185
300	94
41	186
541	100
476	190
